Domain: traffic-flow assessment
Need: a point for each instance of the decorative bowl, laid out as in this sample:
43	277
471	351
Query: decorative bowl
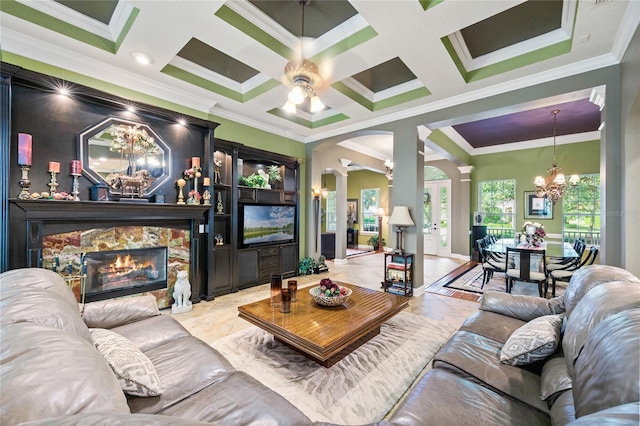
323	300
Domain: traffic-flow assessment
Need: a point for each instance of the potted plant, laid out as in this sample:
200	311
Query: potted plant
306	265
274	173
374	242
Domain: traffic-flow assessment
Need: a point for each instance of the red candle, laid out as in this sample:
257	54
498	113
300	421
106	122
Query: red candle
195	161
24	149
76	167
54	167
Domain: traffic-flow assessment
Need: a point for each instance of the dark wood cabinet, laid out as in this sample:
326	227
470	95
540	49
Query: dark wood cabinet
328	245
352	238
235	264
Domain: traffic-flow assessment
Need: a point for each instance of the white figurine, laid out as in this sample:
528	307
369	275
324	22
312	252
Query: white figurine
265	176
181	294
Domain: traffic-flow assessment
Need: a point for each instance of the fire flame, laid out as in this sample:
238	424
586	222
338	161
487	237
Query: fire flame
128	264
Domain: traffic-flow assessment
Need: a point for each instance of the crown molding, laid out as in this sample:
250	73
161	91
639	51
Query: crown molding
538	143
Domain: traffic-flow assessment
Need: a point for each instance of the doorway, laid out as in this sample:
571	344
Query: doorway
437	217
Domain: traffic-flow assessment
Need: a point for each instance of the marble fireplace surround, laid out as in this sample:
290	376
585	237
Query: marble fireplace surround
66	229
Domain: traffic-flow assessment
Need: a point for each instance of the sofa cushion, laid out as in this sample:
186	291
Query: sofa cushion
607	370
518	306
494	326
152	332
620	415
185	367
563	412
443	398
534	341
114	312
38	278
47	372
598	304
37	305
135	372
554	378
237	399
589	277
477	358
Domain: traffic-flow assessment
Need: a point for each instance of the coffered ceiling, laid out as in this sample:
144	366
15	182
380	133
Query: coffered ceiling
380	60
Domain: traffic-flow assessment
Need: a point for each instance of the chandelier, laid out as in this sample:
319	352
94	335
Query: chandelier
388	165
302	76
553	186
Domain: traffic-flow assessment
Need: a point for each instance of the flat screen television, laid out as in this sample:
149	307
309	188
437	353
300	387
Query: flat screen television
267	224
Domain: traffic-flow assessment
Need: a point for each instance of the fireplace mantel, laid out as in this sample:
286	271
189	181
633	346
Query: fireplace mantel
55	211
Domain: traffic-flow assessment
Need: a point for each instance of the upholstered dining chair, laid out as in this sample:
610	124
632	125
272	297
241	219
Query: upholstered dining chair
566	274
521	271
554	263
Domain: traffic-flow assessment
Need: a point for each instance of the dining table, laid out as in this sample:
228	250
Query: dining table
552	248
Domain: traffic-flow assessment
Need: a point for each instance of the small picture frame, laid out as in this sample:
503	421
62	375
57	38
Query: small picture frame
537	207
352	210
99	192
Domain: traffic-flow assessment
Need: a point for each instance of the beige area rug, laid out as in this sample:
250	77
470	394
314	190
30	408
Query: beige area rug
361	388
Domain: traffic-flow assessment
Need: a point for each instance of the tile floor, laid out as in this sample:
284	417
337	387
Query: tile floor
218	318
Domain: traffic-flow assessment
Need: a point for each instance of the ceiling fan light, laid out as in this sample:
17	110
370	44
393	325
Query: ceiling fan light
316	104
296	95
289	107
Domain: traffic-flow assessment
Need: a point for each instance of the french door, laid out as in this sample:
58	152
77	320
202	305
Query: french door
437	217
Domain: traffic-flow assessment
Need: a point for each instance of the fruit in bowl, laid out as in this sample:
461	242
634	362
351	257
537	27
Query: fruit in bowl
329	293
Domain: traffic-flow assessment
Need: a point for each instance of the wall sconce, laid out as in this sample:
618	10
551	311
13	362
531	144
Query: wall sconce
316	192
400	217
388	164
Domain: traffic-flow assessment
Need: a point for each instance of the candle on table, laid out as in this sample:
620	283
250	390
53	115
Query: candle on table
207	181
76	167
195	161
24	149
54	167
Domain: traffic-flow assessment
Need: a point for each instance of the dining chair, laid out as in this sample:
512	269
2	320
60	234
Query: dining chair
490	264
521	270
558	262
566	274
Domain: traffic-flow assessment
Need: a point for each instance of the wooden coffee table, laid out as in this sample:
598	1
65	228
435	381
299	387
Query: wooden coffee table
326	334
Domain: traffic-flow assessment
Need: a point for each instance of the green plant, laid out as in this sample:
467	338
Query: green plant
373	241
274	173
254	180
306	265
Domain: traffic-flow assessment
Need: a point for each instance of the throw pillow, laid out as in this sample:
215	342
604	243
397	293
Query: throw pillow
134	370
532	342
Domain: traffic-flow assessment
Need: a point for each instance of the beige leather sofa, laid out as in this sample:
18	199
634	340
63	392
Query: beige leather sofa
51	372
49	366
593	377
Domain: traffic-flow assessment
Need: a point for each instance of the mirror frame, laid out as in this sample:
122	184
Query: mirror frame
99	128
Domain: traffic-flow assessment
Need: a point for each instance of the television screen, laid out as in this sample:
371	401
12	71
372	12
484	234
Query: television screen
268	224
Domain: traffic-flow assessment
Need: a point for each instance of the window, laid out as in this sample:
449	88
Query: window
496	202
331	211
581	210
370	202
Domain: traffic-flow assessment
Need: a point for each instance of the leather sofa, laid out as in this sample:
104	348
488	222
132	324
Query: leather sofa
593	377
51	372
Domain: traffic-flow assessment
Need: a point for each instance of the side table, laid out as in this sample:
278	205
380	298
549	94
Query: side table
398	273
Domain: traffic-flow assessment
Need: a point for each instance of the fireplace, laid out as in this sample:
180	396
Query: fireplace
119	273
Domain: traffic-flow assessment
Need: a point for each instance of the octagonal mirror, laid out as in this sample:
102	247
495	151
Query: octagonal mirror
116	150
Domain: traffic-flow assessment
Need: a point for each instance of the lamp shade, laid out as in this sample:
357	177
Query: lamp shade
380	211
400	216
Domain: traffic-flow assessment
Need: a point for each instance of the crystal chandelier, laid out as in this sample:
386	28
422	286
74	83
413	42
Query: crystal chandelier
553	186
303	78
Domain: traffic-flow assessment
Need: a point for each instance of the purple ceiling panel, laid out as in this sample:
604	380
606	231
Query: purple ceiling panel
574	117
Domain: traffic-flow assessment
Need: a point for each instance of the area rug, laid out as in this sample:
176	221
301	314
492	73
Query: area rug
472	281
354	252
361	388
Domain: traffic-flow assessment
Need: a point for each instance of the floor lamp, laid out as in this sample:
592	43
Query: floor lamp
400	217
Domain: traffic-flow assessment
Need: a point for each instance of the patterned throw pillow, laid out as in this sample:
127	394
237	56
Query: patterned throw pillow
134	370
532	342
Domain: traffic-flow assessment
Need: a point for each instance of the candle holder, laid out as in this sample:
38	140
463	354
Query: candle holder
24	183
76	187
53	184
181	184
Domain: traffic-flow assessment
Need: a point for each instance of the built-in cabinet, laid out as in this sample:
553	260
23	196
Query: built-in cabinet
235	262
